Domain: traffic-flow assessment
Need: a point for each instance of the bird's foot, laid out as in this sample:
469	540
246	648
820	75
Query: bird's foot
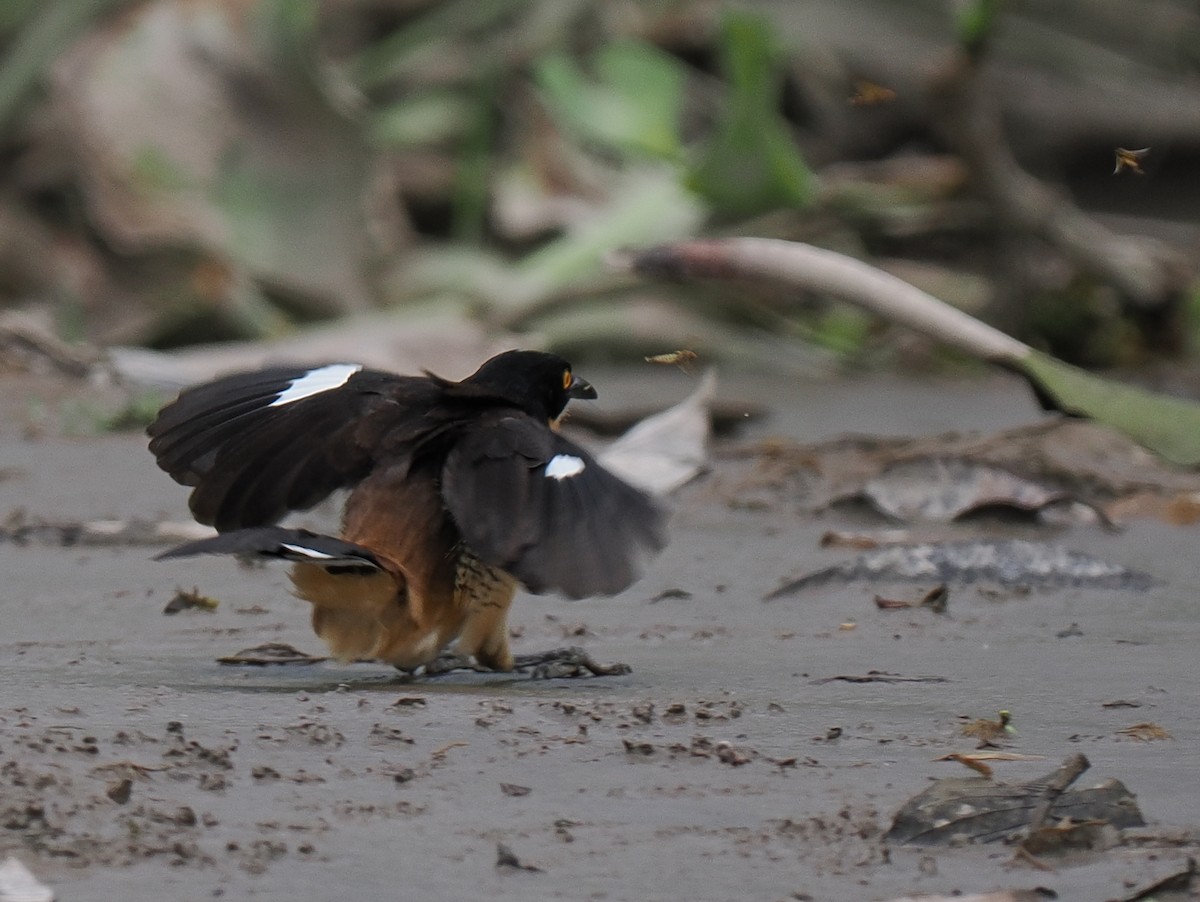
447	662
566	663
556	664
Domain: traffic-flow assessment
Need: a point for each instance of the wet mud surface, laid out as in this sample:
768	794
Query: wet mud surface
730	764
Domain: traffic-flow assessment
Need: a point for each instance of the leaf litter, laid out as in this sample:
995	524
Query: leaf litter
1009	562
979	809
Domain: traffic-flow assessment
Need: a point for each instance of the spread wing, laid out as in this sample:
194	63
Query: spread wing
257	445
537	505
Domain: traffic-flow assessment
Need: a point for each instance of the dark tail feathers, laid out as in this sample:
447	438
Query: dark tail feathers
298	545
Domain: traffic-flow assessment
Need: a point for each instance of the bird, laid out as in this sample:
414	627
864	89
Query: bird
460	492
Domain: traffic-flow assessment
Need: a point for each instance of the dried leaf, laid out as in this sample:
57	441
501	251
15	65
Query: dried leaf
974	763
988	810
864	540
1037	894
1145	732
270	653
1012	562
940	490
506	859
936	599
1179	882
996	756
1069	834
879	676
184	600
669	449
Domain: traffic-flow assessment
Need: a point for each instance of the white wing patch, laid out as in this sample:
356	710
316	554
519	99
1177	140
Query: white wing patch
307	552
563	466
314	382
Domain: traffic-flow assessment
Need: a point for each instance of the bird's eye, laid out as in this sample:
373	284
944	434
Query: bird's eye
566	379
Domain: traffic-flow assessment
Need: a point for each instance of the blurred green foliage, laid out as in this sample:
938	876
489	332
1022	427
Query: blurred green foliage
632	105
500	148
751	165
34	33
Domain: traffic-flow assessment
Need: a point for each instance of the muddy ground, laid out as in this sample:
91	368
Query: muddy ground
134	766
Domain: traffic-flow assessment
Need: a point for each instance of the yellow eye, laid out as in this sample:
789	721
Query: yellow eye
566	379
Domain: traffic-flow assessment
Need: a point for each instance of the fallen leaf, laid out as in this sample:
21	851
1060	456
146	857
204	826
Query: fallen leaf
183	600
990	756
1009	562
936	599
974	808
878	676
1179	882
1037	894
1069	834
119	791
669	449
409	701
507	859
270	653
1145	732
974	763
864	540
439	754
941	490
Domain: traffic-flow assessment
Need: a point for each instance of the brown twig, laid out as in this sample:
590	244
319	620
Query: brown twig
1066	774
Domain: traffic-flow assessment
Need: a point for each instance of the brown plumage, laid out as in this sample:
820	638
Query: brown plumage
461	491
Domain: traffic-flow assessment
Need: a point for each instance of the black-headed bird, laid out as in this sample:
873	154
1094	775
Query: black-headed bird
460	492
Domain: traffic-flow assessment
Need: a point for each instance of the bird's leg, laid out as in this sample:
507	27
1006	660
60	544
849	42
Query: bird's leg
562	663
489	594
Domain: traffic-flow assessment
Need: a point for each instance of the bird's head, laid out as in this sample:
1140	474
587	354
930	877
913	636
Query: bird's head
541	384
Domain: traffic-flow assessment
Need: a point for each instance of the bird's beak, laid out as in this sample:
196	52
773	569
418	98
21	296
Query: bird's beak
580	388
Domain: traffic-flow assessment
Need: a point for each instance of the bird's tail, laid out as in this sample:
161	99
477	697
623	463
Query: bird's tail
296	545
354	592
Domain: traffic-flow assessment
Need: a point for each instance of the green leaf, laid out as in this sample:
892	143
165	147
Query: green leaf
632	105
752	164
1166	425
406	51
975	21
432	118
473	183
649	206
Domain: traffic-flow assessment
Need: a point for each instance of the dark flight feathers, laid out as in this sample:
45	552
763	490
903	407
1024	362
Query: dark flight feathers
299	545
582	534
251	459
